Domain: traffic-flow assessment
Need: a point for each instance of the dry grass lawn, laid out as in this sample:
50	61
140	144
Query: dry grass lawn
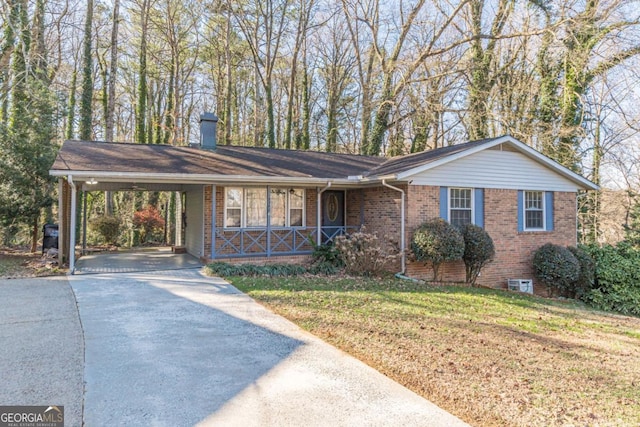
17	263
492	358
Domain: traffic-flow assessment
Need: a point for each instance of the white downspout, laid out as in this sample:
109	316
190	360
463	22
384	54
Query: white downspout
319	213
72	226
402	221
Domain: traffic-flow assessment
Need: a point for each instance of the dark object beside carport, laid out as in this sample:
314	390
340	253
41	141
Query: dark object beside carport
50	239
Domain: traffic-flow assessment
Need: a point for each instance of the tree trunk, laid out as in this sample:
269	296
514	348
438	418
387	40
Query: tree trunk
34	235
113	70
141	109
86	131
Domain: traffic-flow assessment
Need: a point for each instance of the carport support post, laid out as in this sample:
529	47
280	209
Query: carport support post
72	226
178	219
84	222
62	220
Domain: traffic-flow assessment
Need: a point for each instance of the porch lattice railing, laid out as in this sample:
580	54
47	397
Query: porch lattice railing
252	242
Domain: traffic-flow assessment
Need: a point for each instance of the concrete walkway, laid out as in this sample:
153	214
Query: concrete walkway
175	348
41	346
151	259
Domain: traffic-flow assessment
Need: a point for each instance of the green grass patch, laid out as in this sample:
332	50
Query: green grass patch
491	357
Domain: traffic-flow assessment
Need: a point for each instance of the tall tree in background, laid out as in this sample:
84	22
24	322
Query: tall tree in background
483	63
264	25
141	108
113	70
86	101
27	151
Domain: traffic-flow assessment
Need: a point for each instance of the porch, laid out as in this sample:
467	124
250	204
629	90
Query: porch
276	221
268	242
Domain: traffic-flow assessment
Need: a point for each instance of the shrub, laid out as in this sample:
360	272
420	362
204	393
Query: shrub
617	279
108	227
586	278
364	255
327	253
478	251
274	270
148	221
436	241
556	267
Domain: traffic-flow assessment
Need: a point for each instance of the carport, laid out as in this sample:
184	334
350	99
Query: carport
88	166
71	185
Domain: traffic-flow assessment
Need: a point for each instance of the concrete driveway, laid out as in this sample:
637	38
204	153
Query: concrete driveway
41	346
176	348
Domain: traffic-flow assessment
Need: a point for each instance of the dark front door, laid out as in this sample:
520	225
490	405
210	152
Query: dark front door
332	214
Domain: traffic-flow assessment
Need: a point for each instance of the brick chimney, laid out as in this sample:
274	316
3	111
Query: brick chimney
208	125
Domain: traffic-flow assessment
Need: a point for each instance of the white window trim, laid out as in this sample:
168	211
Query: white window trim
243	219
227	207
304	208
473	203
524	211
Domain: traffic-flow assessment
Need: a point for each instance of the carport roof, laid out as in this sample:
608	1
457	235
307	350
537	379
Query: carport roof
114	158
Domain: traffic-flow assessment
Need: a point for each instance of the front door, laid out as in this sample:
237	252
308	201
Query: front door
332	214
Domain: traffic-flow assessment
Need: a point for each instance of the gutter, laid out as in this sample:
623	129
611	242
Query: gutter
402	221
183	178
319	212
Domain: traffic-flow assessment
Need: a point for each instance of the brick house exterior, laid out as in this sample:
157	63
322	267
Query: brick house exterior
261	205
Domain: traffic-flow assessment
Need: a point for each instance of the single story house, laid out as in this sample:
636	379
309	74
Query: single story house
258	204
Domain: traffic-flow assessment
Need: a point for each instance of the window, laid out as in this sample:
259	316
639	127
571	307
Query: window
256	203
233	208
460	206
278	207
247	207
296	207
534	210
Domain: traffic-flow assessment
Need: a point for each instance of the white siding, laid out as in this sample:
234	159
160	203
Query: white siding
194	233
495	169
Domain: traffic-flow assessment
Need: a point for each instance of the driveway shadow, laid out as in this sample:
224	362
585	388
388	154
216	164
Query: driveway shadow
162	349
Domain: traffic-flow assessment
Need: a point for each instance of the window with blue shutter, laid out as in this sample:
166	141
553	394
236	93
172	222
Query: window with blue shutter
462	206
535	210
444	203
548	210
479	207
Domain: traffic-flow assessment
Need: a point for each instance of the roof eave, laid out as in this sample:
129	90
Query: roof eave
174	178
582	183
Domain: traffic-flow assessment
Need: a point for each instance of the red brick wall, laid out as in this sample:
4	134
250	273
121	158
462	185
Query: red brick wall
514	250
382	212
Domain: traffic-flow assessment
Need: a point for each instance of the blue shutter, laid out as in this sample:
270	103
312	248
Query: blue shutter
444	203
479	207
548	210
520	210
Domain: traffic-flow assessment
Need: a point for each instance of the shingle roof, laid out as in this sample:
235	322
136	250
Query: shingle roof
403	163
225	160
233	162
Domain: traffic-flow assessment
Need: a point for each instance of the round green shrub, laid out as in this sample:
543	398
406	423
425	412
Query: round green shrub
108	227
586	279
556	267
436	241
479	251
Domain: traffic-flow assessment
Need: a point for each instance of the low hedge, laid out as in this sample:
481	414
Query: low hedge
274	270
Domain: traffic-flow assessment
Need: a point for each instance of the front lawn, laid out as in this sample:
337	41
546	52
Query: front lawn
489	357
